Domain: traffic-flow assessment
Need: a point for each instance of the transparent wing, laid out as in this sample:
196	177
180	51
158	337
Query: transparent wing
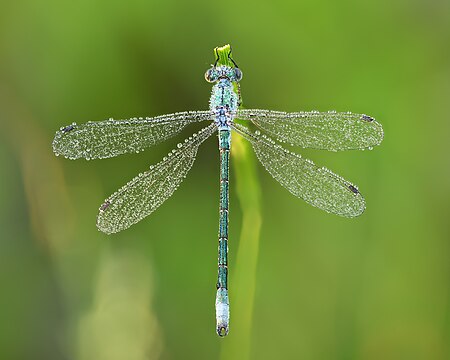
109	138
318	130
317	186
147	191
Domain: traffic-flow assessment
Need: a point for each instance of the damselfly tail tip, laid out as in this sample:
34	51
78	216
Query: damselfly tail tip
222	330
222	312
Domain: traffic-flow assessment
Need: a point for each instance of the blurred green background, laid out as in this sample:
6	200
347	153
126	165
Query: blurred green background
375	287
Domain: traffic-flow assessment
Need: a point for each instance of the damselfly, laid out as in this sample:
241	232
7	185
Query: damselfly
318	186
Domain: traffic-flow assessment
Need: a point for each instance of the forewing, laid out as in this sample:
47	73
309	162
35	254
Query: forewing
109	138
318	186
318	130
147	191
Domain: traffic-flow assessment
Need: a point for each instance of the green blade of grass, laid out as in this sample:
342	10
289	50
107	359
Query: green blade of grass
243	272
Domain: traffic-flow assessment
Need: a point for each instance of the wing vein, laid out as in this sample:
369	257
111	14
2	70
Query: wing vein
332	130
318	186
146	192
109	138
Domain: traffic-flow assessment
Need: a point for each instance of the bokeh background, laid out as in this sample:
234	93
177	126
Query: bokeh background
375	287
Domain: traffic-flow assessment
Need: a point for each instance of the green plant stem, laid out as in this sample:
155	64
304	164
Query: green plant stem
243	272
243	283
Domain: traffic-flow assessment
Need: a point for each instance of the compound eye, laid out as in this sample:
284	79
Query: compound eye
210	75
237	74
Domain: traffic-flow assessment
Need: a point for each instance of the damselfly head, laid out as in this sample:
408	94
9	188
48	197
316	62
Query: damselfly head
216	73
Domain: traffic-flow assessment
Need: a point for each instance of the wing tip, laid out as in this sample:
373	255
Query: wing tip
377	127
103	225
62	146
353	208
359	203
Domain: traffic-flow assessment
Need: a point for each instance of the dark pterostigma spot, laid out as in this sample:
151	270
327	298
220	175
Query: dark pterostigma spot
68	128
367	118
105	205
